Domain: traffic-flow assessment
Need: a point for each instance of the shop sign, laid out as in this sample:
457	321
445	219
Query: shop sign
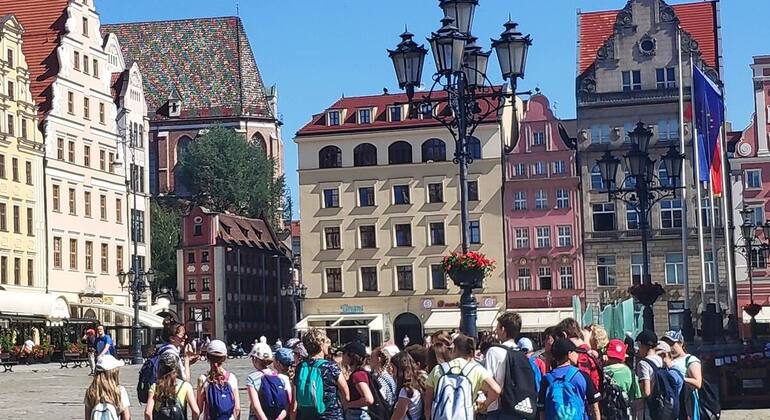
351	309
484	302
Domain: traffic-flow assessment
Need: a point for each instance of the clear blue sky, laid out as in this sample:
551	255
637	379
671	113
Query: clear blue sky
317	50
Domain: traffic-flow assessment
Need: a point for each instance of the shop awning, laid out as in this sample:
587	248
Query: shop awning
763	317
44	305
447	319
537	320
146	319
372	321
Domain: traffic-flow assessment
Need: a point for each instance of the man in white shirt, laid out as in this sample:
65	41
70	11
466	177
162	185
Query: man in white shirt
508	328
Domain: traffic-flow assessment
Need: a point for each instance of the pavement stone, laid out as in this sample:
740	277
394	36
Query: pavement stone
45	392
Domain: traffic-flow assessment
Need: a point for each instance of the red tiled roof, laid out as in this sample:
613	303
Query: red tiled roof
243	231
380	120
44	23
116	85
699	19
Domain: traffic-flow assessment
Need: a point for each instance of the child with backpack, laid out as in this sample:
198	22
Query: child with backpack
218	389
170	396
699	398
587	362
269	393
452	388
620	386
567	393
658	386
105	397
320	386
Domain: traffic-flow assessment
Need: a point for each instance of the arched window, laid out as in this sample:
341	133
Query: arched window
663	178
181	147
474	148
259	139
399	152
597	183
330	157
365	155
434	150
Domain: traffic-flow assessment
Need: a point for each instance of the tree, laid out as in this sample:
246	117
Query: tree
288	206
225	172
166	233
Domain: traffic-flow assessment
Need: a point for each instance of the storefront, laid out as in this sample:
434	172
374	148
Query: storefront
449	319
341	329
121	318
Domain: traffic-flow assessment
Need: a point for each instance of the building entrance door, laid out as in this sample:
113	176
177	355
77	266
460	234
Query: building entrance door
407	330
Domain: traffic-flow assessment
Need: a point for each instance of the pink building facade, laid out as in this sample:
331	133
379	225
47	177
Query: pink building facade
544	266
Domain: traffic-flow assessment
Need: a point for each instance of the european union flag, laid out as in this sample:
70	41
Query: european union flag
708	116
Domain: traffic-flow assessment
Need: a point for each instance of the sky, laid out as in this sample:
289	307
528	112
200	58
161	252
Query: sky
315	51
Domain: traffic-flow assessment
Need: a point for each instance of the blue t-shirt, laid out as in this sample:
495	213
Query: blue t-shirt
103	341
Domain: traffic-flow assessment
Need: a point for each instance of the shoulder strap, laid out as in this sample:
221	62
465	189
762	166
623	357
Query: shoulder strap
572	372
465	371
445	368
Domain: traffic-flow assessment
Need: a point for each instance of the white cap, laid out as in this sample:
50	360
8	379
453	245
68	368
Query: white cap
526	344
662	347
108	362
216	348
262	350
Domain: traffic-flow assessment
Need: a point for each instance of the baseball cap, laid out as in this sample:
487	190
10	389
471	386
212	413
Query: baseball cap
216	348
662	347
673	337
169	359
616	349
108	362
526	344
285	356
262	350
290	343
355	347
647	338
562	347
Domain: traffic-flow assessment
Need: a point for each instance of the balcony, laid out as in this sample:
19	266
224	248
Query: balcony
634	97
539	299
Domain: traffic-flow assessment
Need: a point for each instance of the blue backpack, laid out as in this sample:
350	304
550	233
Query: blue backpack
536	371
149	373
562	398
273	396
220	400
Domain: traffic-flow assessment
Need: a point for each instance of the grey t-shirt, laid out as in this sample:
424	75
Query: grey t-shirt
643	369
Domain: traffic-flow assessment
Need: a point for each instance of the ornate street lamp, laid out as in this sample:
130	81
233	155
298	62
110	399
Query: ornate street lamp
641	189
137	284
461	83
753	242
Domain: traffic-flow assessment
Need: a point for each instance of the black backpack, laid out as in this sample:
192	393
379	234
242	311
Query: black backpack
519	394
380	409
663	400
170	408
615	403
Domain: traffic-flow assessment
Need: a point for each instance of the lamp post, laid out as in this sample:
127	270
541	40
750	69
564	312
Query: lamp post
295	292
461	83
641	189
138	283
753	241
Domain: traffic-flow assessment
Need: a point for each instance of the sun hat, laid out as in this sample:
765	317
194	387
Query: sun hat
262	350
673	337
108	362
526	344
284	356
616	349
216	348
662	347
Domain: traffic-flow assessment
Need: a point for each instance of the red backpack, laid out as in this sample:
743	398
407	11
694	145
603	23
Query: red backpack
591	366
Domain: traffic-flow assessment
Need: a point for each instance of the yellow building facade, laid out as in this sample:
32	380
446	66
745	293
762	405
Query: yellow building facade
22	211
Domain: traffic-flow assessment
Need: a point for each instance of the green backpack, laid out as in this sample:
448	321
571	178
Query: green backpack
310	387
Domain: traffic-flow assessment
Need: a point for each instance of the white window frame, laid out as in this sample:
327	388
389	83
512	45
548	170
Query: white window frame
430	277
559	167
541	200
543	237
470	235
400	113
395	277
326	279
544	271
668	130
562	198
564	236
566	277
329	119
600	134
675	262
374	195
538	138
632	84
520	169
753	175
669	78
632	216
609	265
636	264
519	200
522	237
710	269
361	279
539	168
671	211
524	278
359	114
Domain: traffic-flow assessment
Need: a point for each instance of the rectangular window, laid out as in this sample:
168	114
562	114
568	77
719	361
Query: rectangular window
105	257
204	256
73	207
711	273
522	237
753	178
364	116
632	80
637	261
16	219
600	134
118	258
28	172
538	138
30	272
474	231
111	162
73	254
56	198
539	169
17	271
401	194
206	284
395	113
564	236
87	156
85	26
366	197
57	252
562	199
137	223
671	214
404	277
96	68
15	169
668	130
89	256
519	200
102	117
87	108
544	278
541	200
543	236
11	130
71	151
437	234
2	166
30	222
436	193
4	270
102	160
404	235
566	280
520	169
369	279
60	148
674	269
332	237
87	203
334	117
71	103
190	258
198	229
119	211
24	132
437	277
676	315
604	217
758	259
559	167
473	191
605	270
524	279
333	280
632	217
86	64
76	60
191	285
11	95
665	78
331	198
3	217
9	58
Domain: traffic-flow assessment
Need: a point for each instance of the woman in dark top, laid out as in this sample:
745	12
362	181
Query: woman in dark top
361	390
335	389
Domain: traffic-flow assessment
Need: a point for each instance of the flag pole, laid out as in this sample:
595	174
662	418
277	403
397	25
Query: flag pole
699	190
732	302
714	249
683	151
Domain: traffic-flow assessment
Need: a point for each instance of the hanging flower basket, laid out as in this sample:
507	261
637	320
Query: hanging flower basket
752	309
468	269
647	294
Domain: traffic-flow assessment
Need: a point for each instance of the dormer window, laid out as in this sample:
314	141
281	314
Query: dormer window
174	104
365	116
333	118
394	113
426	110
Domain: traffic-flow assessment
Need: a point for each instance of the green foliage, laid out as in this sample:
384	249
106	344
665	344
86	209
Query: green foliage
224	172
166	233
288	206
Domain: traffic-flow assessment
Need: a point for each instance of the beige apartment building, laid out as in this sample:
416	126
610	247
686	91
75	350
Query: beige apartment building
380	209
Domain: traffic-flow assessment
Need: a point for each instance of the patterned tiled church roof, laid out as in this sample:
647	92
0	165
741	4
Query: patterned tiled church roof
208	60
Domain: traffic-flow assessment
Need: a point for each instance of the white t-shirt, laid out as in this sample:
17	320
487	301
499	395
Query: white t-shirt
124	401
682	363
644	370
494	361
204	383
29	344
415	403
